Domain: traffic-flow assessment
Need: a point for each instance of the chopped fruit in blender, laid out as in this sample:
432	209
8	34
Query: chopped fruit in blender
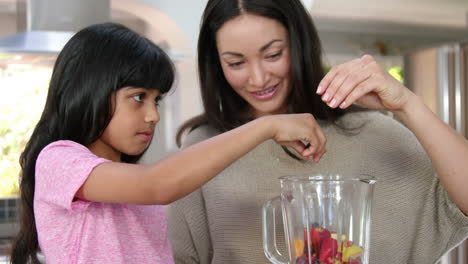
299	247
325	248
328	249
351	252
317	235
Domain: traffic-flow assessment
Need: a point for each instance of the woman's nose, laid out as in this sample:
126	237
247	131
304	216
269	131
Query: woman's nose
258	75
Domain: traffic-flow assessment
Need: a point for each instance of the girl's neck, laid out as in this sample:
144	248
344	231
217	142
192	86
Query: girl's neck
103	150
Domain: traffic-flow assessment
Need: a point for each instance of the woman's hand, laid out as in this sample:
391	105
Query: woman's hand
364	82
299	131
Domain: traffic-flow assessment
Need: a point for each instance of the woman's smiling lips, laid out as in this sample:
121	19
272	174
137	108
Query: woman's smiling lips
265	94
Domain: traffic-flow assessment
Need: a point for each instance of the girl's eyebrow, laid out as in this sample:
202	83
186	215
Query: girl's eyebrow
262	49
130	88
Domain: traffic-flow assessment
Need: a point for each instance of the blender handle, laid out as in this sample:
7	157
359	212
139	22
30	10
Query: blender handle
269	231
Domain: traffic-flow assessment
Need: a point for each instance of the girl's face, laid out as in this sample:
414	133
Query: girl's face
132	126
255	57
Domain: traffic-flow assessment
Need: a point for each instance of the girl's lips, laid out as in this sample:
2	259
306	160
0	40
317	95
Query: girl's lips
266	94
146	136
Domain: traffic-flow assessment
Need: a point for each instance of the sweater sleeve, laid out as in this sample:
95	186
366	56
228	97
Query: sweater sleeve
188	230
433	223
187	220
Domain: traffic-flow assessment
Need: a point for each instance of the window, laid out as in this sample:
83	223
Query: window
24	80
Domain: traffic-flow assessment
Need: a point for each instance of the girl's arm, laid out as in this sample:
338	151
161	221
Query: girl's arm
181	173
363	81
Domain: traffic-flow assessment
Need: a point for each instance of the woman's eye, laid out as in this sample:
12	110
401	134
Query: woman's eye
276	55
235	64
139	97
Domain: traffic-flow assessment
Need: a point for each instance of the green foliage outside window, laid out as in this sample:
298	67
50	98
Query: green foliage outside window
23	93
396	72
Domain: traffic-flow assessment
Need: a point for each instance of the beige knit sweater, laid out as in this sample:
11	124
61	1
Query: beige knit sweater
413	220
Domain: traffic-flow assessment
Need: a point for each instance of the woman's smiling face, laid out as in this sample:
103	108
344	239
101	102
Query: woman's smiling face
255	56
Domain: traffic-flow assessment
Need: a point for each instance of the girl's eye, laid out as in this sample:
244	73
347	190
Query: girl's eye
157	100
139	97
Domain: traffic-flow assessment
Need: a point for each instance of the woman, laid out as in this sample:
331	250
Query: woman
262	57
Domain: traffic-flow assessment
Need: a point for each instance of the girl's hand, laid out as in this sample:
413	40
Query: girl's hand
299	131
364	82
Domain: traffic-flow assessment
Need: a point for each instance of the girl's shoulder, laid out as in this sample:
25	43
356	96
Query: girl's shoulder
63	146
62	159
64	151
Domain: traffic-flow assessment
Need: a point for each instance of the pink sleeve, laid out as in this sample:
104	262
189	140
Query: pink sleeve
61	169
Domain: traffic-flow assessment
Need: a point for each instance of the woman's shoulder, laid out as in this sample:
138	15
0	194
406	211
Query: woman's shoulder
199	134
374	121
382	131
386	142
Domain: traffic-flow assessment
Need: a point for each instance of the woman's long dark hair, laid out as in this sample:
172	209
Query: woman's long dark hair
222	105
94	64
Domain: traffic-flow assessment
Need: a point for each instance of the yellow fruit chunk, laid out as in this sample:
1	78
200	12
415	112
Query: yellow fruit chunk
351	252
299	247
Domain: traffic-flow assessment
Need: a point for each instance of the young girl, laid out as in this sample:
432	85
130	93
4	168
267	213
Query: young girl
84	198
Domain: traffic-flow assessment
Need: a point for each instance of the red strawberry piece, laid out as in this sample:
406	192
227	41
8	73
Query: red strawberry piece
317	235
313	259
328	249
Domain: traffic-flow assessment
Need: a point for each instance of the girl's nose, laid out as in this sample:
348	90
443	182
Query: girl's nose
152	114
258	75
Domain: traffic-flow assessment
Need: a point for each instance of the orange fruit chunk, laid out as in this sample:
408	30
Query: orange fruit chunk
299	247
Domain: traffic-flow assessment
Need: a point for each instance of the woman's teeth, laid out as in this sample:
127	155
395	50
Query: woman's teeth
266	91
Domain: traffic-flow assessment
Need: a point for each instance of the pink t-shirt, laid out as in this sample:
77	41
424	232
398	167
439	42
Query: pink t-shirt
91	232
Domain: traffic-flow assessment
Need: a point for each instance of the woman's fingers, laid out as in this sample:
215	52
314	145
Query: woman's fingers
338	76
350	82
335	76
363	95
363	81
340	94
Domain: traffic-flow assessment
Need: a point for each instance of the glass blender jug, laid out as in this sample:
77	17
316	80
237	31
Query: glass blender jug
326	219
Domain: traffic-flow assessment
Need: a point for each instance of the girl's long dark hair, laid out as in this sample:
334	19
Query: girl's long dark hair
224	109
94	64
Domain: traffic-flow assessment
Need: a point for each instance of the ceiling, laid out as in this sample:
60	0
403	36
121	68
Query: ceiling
359	24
